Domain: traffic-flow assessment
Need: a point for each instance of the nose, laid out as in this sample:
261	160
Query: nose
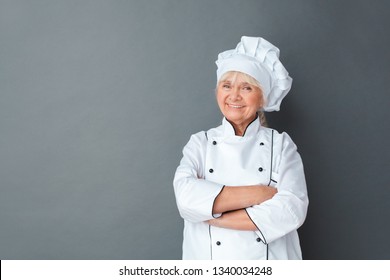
235	94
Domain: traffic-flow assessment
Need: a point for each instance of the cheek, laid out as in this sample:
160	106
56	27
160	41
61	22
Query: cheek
220	98
257	102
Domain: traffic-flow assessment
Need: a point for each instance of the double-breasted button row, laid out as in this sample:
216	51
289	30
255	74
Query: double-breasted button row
261	169
212	170
218	243
215	143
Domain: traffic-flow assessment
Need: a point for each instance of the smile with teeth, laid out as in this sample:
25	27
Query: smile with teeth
235	106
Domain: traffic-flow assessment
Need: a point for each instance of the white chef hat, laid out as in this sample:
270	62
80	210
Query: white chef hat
258	58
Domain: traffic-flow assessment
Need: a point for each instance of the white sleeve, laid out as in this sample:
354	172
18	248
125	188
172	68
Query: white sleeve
286	211
195	196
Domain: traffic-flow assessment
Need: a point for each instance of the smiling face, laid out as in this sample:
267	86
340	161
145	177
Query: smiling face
239	98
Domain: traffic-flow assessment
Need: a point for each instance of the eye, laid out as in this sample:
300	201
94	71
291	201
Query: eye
226	86
247	88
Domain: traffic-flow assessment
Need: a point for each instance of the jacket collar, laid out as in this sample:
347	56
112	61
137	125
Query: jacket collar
251	130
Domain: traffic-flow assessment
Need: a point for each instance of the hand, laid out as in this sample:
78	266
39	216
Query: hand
264	193
234	198
238	220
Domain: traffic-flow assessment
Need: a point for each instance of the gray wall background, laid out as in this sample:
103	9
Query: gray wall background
97	99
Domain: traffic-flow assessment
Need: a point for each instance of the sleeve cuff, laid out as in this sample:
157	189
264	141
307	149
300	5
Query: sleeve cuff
258	231
216	215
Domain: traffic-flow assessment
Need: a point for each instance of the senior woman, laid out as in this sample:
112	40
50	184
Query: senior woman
240	187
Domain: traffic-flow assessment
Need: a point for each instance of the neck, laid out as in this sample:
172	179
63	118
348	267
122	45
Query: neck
240	128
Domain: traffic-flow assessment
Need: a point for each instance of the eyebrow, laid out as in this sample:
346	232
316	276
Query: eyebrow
229	81
243	84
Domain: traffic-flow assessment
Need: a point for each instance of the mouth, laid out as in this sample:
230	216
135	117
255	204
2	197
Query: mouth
235	106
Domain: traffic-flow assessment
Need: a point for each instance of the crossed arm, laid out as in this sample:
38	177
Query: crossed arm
232	201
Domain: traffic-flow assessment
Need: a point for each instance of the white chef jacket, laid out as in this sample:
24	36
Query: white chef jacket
217	157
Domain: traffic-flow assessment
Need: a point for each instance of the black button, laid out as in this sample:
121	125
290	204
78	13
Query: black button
211	170
261	169
218	243
214	142
258	239
261	144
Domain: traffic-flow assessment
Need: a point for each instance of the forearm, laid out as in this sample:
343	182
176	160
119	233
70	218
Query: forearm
238	220
234	198
195	198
